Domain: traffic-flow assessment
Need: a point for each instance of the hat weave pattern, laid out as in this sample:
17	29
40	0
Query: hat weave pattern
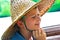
19	7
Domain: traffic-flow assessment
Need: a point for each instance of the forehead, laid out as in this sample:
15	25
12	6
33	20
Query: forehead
32	12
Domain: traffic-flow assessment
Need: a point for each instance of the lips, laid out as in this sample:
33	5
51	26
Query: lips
37	24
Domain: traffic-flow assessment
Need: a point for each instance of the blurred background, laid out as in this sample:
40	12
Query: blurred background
50	18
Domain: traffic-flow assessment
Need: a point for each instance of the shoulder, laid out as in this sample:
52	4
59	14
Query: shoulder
17	36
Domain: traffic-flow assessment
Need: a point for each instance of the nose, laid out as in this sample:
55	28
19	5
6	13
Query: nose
38	18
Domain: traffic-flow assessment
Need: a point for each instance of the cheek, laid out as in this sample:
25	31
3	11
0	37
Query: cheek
30	22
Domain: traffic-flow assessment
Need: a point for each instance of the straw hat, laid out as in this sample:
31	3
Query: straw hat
21	7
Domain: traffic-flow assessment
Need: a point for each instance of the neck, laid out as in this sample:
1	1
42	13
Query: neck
25	33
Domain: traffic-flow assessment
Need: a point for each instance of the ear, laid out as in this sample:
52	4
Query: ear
20	23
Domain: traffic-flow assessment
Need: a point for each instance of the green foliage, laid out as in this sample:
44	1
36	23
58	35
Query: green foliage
5	7
55	6
36	0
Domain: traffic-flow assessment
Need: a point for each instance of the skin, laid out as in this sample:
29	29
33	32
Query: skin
32	20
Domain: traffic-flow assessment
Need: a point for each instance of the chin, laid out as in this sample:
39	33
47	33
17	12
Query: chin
33	29
36	29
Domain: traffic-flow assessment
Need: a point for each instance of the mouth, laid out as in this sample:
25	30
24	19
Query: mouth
37	24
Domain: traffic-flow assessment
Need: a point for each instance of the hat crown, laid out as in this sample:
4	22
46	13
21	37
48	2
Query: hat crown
18	7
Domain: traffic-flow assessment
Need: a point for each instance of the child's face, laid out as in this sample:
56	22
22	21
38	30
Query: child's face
33	19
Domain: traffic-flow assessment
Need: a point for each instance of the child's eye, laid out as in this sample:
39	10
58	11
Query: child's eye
38	15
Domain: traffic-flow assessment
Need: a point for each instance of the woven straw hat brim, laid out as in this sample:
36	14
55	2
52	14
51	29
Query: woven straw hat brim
43	6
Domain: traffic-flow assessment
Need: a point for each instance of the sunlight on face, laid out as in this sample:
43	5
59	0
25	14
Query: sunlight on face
33	19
